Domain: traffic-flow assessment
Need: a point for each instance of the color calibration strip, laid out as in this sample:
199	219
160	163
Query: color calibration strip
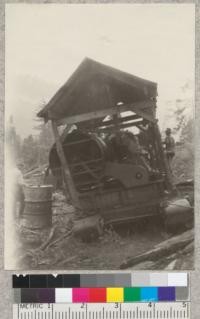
136	279
100	295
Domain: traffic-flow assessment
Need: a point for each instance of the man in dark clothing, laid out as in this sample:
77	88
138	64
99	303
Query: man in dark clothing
169	146
135	151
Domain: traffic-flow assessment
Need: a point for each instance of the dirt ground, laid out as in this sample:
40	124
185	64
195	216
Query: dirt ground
68	252
56	248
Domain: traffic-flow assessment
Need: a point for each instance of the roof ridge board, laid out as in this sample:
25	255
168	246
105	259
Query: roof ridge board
124	73
63	88
68	92
101	68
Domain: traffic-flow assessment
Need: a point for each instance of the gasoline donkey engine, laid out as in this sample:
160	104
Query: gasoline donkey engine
118	176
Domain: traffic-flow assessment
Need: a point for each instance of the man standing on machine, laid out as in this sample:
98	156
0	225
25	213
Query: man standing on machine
169	147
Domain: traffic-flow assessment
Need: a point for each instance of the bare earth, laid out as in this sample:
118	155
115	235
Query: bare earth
68	252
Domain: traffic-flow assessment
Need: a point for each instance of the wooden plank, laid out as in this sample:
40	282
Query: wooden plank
143	114
120	126
121	120
69	183
86	162
111	102
85	140
149	87
137	107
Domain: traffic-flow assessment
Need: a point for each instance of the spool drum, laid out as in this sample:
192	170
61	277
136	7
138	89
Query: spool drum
179	215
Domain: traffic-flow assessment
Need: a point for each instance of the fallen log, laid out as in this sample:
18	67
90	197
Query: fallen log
66	235
170	262
65	261
188	249
144	265
177	259
167	247
171	265
48	240
186	236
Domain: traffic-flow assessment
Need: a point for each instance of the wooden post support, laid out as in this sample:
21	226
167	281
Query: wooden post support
67	175
111	102
169	178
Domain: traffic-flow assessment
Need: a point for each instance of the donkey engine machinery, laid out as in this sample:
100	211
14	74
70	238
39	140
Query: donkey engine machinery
102	161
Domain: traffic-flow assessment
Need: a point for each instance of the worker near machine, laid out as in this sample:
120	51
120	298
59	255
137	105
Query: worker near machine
18	183
116	147
135	151
169	143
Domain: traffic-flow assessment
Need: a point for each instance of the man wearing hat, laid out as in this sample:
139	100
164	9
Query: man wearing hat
169	146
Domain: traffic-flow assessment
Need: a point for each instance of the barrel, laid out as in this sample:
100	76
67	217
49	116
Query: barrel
38	206
37	179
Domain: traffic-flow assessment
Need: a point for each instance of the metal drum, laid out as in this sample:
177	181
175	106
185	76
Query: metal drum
38	206
85	154
179	214
37	179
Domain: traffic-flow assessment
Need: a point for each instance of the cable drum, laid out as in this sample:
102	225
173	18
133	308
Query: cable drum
178	214
85	154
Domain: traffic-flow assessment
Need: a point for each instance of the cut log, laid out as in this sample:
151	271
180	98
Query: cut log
47	242
144	265
88	228
188	249
168	247
171	265
65	261
66	235
186	236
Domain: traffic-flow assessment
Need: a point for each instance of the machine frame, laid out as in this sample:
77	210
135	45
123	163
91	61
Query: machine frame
118	204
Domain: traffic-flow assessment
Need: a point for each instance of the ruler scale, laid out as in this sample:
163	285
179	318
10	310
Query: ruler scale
160	310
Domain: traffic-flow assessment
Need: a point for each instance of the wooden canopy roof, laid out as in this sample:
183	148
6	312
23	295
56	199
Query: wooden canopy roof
95	87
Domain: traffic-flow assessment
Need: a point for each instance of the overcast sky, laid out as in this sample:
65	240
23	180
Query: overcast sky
46	42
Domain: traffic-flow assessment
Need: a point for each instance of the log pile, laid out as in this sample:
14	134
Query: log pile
169	254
